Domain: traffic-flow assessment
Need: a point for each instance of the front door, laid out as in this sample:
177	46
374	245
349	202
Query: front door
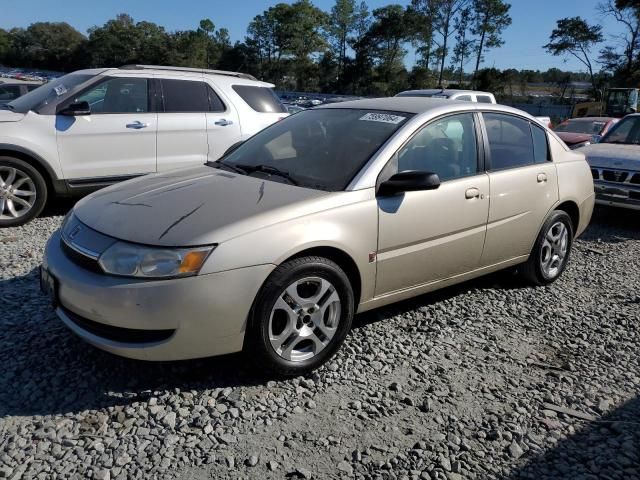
432	235
118	138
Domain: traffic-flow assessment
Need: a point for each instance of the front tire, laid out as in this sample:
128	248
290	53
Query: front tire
23	192
301	316
551	252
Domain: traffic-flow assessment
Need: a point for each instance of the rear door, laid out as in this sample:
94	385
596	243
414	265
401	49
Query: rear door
523	183
182	122
118	138
223	124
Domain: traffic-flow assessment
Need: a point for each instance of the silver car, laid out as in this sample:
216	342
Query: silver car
333	211
615	164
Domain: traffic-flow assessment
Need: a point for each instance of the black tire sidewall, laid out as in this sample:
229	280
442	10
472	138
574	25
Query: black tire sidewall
41	191
557	215
284	275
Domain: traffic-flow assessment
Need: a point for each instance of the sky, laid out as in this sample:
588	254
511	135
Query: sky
533	21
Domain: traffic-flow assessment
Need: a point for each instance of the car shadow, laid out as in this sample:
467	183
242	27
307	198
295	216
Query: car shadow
612	225
58	206
46	369
608	447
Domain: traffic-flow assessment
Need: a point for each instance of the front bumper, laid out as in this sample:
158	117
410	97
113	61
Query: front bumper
624	195
175	319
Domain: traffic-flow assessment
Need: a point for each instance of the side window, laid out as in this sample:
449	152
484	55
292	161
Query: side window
117	95
183	96
510	141
260	99
446	146
484	99
465	98
9	92
540	144
215	102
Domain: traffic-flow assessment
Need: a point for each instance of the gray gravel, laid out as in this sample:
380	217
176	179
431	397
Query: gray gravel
485	380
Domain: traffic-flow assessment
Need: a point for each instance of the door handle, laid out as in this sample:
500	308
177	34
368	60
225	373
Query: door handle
137	125
223	122
471	193
542	177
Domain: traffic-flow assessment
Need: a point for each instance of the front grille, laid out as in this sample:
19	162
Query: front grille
634	195
614	175
118	334
80	259
595	174
635	179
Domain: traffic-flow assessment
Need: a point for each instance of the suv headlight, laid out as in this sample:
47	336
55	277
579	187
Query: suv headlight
130	260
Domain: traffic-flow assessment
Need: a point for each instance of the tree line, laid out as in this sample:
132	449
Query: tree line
347	49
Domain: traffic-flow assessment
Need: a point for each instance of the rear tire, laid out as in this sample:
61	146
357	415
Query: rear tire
550	253
301	316
23	192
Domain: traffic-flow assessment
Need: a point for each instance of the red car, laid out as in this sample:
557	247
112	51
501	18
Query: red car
578	132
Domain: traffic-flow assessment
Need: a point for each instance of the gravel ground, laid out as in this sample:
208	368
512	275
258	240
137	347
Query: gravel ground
489	379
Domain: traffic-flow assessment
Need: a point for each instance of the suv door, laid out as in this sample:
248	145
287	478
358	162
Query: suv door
524	185
118	138
431	235
223	125
182	123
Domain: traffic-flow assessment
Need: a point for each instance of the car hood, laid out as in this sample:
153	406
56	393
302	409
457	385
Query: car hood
571	138
626	157
9	116
197	206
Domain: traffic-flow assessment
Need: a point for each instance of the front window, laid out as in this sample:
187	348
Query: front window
117	95
626	131
48	93
321	149
590	127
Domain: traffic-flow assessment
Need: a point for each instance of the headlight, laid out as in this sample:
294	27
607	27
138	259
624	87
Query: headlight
581	144
131	260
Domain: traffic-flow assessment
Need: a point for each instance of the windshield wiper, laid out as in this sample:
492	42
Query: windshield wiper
270	170
9	107
226	166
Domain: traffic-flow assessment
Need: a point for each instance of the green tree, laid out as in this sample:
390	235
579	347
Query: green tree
445	12
624	55
490	19
420	19
464	45
5	45
575	37
344	20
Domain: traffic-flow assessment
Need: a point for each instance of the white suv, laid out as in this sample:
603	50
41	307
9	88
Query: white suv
92	128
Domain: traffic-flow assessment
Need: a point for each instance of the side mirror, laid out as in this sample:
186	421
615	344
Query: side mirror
232	148
596	138
76	109
409	181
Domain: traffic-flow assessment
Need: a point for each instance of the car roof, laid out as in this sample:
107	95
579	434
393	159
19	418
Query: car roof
418	105
446	91
223	76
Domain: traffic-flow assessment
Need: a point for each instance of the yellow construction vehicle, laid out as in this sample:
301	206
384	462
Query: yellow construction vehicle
617	103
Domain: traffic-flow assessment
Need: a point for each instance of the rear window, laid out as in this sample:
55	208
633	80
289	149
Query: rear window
260	99
9	92
484	99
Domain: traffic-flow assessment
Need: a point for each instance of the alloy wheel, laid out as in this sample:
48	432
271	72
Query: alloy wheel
304	319
554	249
17	193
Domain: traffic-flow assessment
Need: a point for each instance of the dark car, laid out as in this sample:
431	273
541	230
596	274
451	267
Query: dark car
11	91
578	132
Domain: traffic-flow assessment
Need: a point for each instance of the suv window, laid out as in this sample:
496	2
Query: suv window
184	96
9	92
510	141
466	98
117	95
446	146
484	99
540	144
260	99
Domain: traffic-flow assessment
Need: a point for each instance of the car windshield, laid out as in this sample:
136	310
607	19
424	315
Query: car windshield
48	92
626	131
321	149
591	127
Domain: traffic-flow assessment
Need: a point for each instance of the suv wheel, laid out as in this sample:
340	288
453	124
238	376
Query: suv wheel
23	192
551	251
301	316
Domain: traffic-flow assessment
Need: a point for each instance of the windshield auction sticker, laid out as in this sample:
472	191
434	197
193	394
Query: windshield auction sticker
60	90
382	117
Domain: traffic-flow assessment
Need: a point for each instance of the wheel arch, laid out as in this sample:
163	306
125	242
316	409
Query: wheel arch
37	162
571	209
342	259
